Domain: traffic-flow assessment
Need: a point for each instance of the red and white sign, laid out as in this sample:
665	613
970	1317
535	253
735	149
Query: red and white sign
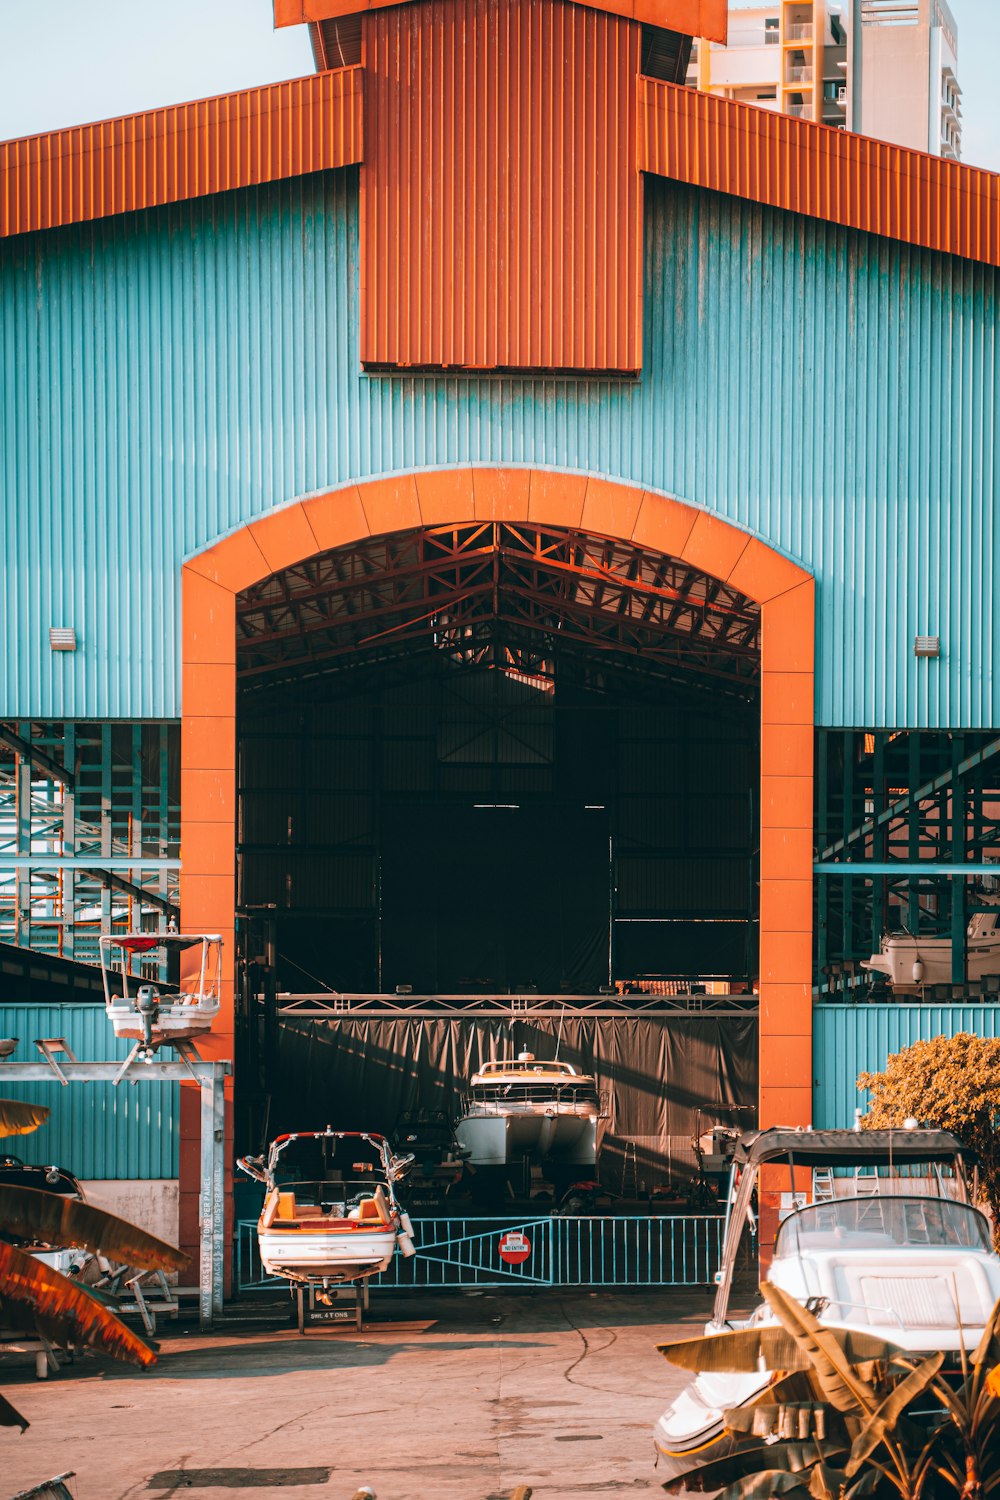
514	1247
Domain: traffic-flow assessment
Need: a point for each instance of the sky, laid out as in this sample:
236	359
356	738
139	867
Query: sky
63	62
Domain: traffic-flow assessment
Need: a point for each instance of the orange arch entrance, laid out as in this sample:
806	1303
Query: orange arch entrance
785	593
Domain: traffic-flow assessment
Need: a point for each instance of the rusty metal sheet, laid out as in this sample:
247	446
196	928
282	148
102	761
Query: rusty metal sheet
501	206
184	151
703	18
817	170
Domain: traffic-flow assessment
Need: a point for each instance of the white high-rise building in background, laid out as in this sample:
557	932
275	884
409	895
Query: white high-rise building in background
886	68
904	74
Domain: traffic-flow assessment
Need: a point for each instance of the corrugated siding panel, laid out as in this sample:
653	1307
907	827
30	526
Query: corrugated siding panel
184	151
853	1039
500	207
818	170
94	1129
168	376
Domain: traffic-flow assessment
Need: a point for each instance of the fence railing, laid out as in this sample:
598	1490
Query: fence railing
614	1250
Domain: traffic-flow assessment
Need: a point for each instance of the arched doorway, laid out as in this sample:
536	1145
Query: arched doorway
703	543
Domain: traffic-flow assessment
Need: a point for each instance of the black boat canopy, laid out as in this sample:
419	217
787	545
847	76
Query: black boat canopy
849	1148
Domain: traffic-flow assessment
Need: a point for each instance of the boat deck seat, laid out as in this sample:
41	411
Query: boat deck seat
372	1210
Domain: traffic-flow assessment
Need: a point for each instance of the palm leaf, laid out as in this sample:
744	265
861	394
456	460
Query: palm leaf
11	1417
18	1118
889	1412
770	1347
54	1219
841	1385
28	1285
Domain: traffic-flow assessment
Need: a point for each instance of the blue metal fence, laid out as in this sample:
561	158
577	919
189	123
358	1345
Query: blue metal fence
613	1251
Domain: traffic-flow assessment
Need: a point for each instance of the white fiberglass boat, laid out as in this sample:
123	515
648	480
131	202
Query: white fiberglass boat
909	963
523	1107
908	1261
154	1012
329	1217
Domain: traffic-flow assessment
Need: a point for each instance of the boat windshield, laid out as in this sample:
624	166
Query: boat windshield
335	1198
881	1223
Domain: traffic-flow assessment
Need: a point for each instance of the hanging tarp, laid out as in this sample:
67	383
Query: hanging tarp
666	1078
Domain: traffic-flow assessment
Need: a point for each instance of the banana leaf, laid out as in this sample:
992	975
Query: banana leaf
769	1346
763	1485
54	1219
828	1483
889	1412
11	1417
18	1118
791	1458
840	1383
64	1307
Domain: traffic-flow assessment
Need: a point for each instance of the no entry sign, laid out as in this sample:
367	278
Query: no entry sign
514	1247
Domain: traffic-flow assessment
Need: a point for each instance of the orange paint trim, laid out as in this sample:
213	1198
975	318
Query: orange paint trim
818	170
784	591
183	151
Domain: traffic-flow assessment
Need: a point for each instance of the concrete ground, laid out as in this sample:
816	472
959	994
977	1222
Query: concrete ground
440	1398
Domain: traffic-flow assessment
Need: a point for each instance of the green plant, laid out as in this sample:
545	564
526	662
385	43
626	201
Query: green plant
38	1300
851	1430
952	1082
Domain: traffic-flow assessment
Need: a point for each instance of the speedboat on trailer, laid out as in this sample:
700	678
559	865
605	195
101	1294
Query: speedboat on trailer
154	1011
328	1219
907	1260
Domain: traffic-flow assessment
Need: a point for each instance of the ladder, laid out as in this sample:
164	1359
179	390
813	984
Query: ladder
823	1188
866	1182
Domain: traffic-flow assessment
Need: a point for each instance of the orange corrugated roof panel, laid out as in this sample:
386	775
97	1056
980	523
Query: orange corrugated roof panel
183	151
501	203
818	170
703	18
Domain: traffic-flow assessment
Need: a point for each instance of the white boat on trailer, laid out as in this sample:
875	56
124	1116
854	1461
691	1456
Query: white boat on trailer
156	1012
328	1219
518	1107
907	1260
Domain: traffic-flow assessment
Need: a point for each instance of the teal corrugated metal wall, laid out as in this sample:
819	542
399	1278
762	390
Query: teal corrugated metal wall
94	1129
167	375
853	1039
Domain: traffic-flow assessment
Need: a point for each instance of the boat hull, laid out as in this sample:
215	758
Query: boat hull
179	1023
333	1256
898	956
496	1140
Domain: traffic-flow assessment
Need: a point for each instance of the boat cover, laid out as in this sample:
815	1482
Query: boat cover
143	942
849	1148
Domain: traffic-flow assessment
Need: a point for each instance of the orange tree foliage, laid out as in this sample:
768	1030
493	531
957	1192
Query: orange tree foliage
952	1082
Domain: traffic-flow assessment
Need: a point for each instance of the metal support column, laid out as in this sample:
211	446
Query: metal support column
958	838
210	1077
212	1199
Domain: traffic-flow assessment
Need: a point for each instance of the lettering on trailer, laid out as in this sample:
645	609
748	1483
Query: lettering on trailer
514	1247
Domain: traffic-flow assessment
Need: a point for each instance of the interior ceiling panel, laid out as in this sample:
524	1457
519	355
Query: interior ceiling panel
528	601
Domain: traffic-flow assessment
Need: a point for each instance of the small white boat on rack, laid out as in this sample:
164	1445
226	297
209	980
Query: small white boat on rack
524	1107
169	982
903	1257
330	1215
909	962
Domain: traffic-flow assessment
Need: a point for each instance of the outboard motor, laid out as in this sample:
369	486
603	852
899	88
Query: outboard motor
147	1003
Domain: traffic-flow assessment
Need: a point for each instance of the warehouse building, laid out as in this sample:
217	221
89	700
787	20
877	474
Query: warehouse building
485	521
